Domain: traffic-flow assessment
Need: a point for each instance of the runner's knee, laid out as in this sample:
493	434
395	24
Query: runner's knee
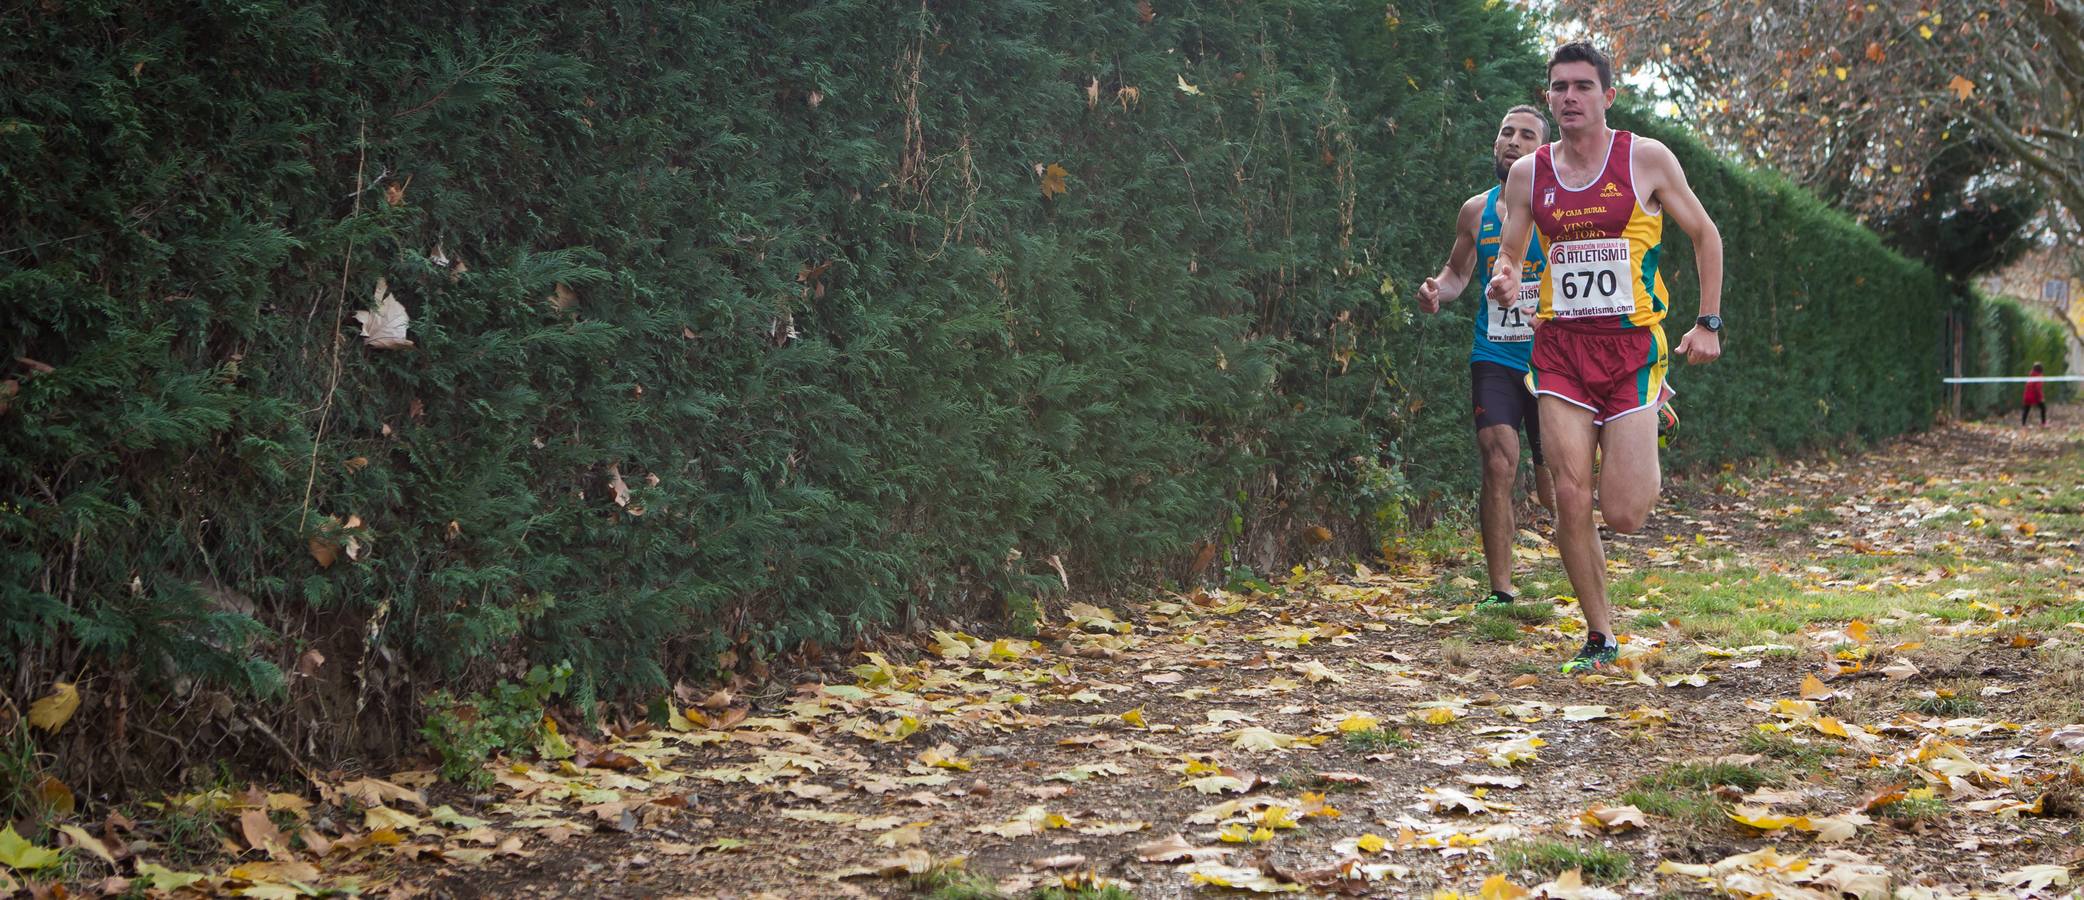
1572	490
1629	514
1498	465
1625	521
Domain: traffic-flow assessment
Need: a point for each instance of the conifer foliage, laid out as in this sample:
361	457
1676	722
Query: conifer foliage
360	347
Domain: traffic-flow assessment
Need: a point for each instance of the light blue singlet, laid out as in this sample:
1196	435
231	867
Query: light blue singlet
1503	336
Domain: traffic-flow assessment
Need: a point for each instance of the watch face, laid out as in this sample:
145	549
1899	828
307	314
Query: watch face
1712	323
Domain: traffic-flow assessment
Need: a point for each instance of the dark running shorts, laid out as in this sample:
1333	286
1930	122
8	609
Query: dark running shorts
1499	394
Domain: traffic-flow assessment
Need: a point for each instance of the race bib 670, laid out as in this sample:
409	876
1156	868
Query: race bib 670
1591	278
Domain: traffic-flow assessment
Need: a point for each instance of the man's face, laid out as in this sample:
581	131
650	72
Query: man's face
1575	97
1518	135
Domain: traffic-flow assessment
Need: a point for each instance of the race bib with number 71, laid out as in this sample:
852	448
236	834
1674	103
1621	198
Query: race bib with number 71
1515	324
1591	278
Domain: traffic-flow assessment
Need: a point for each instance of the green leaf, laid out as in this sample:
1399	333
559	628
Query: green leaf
551	745
164	878
17	853
447	815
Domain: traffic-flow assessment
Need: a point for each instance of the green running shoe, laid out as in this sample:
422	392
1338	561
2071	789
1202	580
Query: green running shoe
1597	654
1495	600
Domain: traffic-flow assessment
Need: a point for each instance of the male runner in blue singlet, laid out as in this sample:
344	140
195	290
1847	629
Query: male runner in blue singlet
1498	361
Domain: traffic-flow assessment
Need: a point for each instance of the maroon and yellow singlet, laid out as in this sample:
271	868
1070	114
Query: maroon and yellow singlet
1602	346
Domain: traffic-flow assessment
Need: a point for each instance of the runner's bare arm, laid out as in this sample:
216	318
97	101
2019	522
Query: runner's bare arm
1671	192
1516	207
1454	276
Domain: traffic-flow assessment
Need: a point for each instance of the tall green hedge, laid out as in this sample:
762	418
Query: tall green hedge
743	324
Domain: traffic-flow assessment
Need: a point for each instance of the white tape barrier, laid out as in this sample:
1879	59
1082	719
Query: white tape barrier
1995	380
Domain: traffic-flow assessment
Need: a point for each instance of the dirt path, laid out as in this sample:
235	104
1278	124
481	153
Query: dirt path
1928	587
1857	675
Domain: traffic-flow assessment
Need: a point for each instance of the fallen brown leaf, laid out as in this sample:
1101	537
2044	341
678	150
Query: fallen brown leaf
911	862
1176	849
1883	796
261	833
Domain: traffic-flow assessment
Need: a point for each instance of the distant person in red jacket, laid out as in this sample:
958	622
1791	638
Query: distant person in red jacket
2033	397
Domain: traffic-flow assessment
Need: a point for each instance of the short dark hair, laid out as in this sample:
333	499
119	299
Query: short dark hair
1534	111
1583	51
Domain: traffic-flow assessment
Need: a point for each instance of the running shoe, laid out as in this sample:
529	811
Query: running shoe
1597	654
1494	600
1667	419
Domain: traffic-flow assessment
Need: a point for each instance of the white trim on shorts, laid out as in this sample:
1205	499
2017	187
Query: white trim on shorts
1570	401
1665	395
1668	393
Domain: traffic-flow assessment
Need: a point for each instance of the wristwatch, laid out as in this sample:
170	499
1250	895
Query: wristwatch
1710	322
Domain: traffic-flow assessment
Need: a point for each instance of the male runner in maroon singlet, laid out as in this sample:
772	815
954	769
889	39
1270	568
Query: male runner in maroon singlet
1600	197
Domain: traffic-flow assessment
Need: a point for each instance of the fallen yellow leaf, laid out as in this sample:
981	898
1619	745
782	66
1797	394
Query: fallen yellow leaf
1439	715
1358	721
1497	887
91	844
1275	816
1813	688
53	710
1765	820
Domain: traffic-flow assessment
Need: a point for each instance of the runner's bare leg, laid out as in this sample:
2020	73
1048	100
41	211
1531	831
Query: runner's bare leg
1499	447
1568	438
1628	472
